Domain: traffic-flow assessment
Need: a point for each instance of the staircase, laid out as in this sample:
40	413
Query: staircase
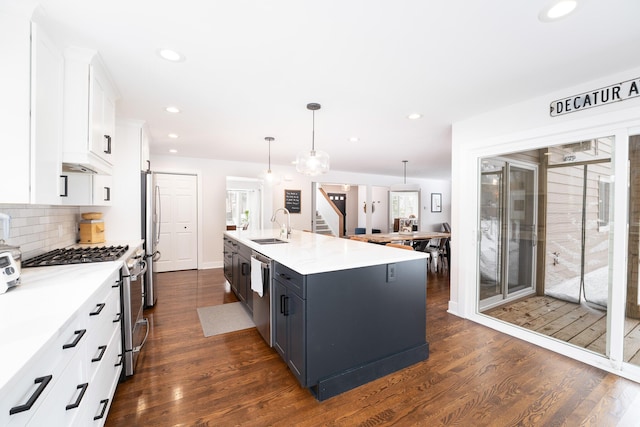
321	226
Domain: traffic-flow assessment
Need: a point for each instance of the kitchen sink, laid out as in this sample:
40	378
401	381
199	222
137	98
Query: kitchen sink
269	241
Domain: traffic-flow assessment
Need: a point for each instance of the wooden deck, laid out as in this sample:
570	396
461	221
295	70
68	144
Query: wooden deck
578	324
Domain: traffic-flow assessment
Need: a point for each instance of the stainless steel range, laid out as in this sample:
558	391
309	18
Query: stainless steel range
131	289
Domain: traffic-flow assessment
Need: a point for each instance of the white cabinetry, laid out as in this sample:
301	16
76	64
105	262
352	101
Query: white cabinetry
123	217
82	189
14	109
73	378
89	111
47	77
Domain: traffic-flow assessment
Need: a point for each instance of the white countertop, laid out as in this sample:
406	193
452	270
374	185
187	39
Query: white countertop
33	312
311	253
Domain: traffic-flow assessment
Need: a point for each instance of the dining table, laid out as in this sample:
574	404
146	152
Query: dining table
383	238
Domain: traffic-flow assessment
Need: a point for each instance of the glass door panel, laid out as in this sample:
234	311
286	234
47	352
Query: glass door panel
632	322
507	230
491	207
522	229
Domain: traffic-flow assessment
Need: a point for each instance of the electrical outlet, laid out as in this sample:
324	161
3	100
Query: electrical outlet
391	272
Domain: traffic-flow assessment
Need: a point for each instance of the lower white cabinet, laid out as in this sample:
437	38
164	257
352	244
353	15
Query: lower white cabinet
74	377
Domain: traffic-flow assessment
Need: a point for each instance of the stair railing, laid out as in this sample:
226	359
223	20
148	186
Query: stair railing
331	214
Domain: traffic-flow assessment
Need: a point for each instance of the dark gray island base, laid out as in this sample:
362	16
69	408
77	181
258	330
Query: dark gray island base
343	313
338	330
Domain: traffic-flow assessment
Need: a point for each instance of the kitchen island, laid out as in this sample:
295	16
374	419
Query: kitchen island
343	312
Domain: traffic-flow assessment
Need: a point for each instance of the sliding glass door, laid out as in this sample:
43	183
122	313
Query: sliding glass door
508	227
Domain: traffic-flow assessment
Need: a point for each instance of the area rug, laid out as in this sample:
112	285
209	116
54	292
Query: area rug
223	318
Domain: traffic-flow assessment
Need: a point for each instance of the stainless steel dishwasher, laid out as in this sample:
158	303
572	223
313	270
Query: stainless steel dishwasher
262	304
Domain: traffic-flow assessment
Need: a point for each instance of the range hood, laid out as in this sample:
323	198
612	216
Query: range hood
77	168
85	163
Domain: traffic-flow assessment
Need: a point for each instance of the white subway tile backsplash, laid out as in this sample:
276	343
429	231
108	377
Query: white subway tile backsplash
41	228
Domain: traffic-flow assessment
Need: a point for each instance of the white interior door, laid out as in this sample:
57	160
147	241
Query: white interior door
178	222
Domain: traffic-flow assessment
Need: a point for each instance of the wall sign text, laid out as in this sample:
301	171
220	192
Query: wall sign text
596	98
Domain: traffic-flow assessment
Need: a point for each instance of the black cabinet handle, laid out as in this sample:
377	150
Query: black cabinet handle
285	305
82	388
119	360
102	349
43	381
245	269
118	317
108	139
99	308
104	404
79	334
107	194
116	284
65	191
282	297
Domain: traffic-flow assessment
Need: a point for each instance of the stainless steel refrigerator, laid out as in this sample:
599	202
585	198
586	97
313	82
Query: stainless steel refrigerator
151	218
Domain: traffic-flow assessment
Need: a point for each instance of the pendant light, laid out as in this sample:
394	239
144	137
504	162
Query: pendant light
404	186
312	162
269	176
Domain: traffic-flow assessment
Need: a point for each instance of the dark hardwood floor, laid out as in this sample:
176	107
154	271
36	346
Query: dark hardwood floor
474	376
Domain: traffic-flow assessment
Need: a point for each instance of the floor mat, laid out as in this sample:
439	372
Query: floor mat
223	318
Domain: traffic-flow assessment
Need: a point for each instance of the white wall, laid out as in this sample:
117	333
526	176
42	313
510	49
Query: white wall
212	176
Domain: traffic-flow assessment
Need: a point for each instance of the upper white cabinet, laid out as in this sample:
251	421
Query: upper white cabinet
89	112
15	33
47	77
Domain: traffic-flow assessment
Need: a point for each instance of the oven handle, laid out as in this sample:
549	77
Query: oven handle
146	334
144	267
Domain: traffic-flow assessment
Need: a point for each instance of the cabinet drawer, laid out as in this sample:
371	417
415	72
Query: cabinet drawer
102	313
66	399
103	385
24	394
291	279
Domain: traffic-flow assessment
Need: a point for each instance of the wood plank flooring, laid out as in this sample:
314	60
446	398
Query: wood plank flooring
474	376
578	324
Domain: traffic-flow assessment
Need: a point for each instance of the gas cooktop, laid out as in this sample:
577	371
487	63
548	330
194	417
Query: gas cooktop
76	256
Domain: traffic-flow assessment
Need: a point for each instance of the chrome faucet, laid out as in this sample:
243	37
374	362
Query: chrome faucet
273	219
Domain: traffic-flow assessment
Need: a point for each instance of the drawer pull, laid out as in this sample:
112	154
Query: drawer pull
118	317
119	360
43	381
99	308
102	349
82	388
104	404
284	306
116	284
79	334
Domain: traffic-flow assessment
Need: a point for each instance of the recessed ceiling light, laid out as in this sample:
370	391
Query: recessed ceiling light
173	135
557	9
172	110
171	55
173	151
414	116
354	139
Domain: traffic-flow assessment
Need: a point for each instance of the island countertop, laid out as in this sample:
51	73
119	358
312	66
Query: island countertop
312	253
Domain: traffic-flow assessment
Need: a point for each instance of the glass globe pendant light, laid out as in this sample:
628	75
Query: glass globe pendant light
269	176
314	162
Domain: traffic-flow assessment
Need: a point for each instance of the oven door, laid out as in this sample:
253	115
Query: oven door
135	327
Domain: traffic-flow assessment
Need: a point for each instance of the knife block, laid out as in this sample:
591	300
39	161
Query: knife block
92	231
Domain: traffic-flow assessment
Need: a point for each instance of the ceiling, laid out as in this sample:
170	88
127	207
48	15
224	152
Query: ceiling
252	66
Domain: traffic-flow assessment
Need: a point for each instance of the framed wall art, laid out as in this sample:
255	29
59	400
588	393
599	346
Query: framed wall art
436	202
